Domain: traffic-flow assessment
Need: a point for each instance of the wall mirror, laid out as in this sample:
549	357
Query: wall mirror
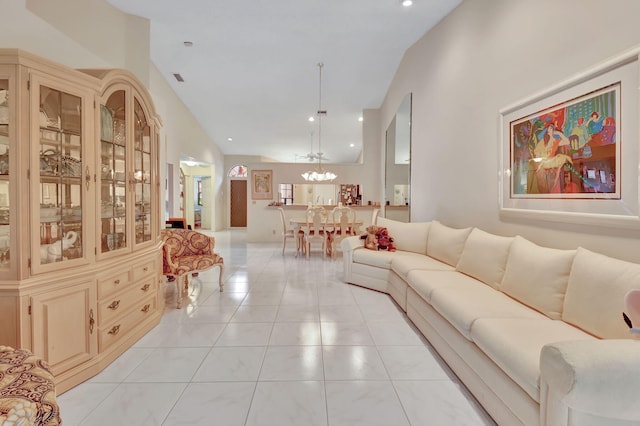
325	194
305	193
398	164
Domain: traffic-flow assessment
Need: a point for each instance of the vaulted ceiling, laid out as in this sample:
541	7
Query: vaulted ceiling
251	76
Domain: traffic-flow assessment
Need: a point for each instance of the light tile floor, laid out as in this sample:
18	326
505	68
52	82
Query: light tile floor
286	343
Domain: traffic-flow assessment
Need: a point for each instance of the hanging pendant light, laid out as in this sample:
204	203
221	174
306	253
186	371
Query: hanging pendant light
319	174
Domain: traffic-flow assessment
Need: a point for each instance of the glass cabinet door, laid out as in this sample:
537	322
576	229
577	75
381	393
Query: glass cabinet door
142	174
61	190
113	172
4	174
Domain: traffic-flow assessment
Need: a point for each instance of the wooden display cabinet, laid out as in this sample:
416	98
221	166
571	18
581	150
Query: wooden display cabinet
80	254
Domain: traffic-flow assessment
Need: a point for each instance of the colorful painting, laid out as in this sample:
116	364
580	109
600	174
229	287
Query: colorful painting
570	150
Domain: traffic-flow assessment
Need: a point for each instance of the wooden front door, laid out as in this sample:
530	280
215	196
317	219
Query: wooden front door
238	204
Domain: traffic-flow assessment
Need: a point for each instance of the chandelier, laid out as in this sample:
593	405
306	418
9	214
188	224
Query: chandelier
319	174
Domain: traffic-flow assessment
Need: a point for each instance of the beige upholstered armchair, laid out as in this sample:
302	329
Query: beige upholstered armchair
185	252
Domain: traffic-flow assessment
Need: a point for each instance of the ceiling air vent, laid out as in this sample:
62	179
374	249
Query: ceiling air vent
178	77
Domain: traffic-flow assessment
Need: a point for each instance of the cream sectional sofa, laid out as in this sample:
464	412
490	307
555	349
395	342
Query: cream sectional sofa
535	333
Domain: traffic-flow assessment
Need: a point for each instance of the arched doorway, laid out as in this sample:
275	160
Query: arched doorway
238	196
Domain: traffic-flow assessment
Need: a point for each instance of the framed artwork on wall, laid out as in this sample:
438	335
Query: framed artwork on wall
570	152
261	184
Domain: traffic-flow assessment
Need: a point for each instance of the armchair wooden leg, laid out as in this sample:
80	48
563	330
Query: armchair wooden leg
220	278
181	282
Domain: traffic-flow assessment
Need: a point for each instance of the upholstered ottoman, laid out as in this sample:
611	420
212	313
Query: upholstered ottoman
27	390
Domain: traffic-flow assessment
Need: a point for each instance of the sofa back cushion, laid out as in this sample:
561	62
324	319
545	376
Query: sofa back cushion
537	276
595	295
484	257
410	236
445	243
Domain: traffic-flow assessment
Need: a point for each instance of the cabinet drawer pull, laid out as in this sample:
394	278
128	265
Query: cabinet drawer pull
145	269
92	321
114	305
145	287
116	282
114	330
145	309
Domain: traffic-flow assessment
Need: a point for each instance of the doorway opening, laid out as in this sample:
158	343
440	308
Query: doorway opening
238	196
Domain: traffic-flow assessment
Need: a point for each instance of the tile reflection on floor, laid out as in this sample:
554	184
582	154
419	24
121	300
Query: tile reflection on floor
286	343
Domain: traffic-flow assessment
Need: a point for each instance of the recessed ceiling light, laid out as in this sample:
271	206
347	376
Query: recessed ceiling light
351	145
360	119
311	119
230	139
406	3
188	43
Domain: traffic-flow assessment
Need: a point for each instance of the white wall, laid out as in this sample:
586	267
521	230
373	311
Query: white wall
183	135
23	30
484	56
120	39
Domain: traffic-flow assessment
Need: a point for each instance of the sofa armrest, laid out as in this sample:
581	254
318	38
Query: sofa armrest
351	243
599	377
348	245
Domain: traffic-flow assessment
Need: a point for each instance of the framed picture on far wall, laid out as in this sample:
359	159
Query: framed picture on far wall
570	152
261	184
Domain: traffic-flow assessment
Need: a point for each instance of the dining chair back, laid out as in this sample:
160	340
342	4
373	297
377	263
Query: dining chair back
314	231
344	219
297	235
374	215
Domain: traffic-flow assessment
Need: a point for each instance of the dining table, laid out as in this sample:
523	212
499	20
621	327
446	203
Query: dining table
298	223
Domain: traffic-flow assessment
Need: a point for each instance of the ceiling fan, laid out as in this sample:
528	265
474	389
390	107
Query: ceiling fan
312	156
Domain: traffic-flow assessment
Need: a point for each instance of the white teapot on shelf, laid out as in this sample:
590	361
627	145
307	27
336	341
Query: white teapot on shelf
50	253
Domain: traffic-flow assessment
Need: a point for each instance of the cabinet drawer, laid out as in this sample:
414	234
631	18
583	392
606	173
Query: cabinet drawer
112	284
116	330
144	269
112	307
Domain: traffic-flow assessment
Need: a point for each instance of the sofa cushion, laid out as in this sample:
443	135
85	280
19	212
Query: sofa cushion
514	344
445	243
405	262
410	236
424	282
537	276
463	305
595	294
485	256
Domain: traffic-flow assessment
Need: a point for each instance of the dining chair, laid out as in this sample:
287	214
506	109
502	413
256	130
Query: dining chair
314	231
374	215
344	219
295	234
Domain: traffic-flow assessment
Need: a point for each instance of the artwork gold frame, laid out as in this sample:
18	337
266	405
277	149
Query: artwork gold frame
605	189
261	184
